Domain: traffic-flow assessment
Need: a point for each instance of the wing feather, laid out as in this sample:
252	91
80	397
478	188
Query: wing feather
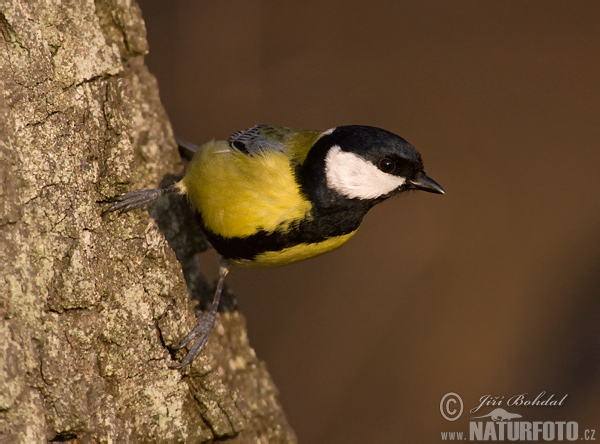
260	138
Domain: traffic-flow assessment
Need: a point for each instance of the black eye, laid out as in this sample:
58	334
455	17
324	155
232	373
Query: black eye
386	165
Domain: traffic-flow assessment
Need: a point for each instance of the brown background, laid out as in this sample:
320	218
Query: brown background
491	289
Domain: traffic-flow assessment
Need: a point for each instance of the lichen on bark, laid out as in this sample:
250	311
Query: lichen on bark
91	307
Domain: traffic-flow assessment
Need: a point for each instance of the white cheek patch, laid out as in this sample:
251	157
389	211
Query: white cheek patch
356	178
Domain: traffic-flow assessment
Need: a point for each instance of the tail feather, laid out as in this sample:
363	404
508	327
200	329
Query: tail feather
186	149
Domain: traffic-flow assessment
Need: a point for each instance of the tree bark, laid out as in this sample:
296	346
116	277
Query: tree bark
91	307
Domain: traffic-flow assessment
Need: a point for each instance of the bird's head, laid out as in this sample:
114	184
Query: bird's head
362	164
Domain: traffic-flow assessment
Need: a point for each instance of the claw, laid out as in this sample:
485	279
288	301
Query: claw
201	333
206	322
136	199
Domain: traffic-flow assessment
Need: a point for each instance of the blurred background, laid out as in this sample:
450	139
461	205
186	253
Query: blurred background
492	289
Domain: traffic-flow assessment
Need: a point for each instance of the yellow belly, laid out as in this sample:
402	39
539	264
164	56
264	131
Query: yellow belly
295	253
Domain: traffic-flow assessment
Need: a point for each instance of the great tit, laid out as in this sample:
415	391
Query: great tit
272	196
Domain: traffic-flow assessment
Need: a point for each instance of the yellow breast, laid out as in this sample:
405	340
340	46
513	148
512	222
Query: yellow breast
238	195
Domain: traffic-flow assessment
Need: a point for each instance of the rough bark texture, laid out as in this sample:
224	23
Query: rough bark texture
90	306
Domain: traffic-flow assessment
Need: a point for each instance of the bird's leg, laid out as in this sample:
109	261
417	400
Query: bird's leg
137	199
206	322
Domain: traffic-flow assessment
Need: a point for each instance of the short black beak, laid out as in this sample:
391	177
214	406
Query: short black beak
425	183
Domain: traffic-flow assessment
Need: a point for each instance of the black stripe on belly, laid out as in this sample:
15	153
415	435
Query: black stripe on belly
322	227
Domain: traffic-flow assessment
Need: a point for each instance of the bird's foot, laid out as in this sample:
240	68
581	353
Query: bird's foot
199	336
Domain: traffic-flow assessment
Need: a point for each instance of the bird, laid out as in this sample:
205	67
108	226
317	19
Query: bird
270	196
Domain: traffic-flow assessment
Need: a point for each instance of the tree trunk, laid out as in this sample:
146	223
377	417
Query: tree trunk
91	307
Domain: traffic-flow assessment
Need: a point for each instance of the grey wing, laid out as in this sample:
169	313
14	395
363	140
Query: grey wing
259	138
